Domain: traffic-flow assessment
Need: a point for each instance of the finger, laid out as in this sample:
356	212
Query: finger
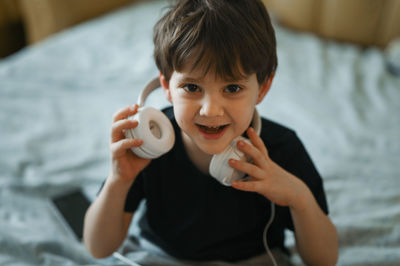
125	112
257	141
248	168
250	186
117	129
255	154
120	148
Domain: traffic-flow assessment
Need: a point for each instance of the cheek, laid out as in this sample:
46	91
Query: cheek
243	116
182	114
182	105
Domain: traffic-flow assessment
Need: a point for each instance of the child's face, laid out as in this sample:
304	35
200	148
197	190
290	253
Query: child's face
211	112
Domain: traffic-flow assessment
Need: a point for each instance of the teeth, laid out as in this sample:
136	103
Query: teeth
211	129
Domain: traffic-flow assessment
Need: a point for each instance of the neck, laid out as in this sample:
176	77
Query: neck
199	158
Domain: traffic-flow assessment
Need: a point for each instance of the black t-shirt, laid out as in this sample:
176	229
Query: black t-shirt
192	216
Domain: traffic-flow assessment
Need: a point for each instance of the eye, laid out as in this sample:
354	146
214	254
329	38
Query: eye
191	88
232	88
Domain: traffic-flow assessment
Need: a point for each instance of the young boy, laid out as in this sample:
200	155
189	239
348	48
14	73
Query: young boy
217	60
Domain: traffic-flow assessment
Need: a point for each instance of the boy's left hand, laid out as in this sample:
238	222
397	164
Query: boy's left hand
266	177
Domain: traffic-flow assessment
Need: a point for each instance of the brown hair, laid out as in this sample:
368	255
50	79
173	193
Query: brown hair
233	38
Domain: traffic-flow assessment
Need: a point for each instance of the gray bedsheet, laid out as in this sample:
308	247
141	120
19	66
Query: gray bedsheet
57	99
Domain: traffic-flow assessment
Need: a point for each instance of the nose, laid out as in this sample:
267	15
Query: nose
212	106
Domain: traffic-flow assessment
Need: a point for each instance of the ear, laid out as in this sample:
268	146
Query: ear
165	86
264	88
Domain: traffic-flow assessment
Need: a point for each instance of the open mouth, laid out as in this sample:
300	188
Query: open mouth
212	130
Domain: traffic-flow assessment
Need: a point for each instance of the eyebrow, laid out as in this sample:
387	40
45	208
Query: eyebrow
198	80
190	79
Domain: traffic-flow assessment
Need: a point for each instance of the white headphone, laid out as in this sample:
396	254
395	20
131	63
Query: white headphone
158	137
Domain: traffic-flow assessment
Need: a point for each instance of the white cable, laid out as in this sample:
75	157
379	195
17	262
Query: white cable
271	218
124	259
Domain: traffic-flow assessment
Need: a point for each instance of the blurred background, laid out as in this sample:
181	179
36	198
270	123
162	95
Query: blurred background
24	22
363	22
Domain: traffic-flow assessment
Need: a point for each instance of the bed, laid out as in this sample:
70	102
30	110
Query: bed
57	98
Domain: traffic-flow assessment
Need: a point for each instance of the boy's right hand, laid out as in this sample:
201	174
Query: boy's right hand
125	165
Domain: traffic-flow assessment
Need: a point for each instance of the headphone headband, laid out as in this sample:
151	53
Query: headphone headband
256	122
151	86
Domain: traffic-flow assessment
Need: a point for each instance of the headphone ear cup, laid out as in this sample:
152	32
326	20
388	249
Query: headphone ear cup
219	167
155	130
